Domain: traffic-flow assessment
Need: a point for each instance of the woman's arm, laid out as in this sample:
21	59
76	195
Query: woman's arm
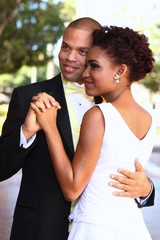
73	177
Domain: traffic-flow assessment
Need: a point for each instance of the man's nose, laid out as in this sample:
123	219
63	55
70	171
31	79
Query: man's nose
72	56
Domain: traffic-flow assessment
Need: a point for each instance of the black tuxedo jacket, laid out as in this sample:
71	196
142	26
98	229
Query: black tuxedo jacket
41	212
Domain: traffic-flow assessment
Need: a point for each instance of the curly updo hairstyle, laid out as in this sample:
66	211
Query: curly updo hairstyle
126	46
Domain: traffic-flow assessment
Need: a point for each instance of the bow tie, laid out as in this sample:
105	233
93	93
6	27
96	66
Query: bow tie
73	88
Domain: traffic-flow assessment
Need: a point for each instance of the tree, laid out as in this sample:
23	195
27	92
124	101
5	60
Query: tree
152	81
26	28
6	15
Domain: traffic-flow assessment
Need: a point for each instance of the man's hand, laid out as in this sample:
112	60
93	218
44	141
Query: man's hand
30	126
133	184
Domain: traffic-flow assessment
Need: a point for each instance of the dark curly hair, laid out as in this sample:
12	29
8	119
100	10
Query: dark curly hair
126	46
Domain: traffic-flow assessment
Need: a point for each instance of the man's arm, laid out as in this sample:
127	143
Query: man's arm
12	153
134	185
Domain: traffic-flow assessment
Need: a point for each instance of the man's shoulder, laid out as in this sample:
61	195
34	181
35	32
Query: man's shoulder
40	84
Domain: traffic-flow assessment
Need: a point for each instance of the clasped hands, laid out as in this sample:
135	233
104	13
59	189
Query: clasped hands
42	115
43	101
45	108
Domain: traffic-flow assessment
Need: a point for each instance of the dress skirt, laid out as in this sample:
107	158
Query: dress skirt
87	231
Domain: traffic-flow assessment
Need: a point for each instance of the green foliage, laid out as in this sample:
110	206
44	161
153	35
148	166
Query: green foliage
155	41
26	28
152	81
22	77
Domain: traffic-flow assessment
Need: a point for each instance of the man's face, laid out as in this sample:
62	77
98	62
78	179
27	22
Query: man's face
72	55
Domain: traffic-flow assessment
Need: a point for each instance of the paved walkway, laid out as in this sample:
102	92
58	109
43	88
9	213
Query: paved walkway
9	191
152	214
8	195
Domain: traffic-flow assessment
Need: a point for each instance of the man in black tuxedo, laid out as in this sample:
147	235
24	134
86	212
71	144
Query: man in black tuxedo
41	211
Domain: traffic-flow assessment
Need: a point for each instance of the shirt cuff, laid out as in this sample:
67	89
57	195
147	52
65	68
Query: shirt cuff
23	142
143	200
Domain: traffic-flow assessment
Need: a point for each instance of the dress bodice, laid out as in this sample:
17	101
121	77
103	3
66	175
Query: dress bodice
120	147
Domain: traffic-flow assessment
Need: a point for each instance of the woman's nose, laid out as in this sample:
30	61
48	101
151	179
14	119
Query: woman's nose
85	73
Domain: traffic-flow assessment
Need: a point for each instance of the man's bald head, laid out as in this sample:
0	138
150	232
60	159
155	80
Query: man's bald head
85	23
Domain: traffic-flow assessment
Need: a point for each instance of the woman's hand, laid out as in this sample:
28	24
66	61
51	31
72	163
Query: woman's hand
45	108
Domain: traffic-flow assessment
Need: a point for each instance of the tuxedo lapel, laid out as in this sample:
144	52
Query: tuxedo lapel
98	99
63	121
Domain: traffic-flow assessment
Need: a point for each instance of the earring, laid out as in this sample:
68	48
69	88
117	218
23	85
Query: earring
117	78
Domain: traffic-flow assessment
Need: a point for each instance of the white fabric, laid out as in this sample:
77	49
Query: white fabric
87	231
97	205
23	142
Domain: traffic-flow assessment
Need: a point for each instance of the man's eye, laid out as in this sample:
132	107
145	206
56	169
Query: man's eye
64	47
83	52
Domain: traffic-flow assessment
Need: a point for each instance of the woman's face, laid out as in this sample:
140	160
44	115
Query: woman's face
99	74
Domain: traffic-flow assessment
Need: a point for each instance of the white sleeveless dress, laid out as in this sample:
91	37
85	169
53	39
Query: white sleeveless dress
98	215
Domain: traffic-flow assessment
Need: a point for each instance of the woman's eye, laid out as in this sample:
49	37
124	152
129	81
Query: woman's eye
94	65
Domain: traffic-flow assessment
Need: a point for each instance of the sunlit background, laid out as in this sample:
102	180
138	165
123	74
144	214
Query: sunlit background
136	14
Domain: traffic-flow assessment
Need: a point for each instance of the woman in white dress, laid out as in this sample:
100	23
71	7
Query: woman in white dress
112	135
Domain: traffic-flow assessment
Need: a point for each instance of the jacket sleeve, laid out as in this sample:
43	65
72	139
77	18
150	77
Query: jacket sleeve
12	156
149	200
